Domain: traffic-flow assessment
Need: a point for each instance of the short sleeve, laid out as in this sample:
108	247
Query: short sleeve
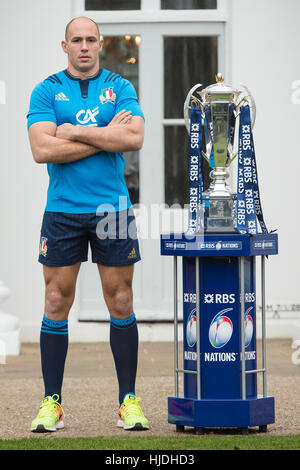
41	105
127	99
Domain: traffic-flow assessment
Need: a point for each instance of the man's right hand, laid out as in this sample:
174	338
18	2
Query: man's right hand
47	148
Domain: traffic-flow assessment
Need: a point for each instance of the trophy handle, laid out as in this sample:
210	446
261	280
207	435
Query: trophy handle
248	98
186	112
187	106
233	156
205	156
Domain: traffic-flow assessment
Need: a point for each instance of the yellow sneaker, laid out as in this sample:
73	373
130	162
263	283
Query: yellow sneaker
50	416
131	416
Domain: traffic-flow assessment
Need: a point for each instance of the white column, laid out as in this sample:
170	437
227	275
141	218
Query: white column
9	329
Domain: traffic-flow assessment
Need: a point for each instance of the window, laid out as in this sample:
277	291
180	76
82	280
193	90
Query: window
112	5
177	50
188	4
121	55
187	61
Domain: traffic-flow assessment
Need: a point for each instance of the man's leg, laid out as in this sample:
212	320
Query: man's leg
117	291
115	251
60	285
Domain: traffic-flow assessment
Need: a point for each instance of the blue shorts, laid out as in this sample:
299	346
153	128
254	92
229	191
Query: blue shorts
112	237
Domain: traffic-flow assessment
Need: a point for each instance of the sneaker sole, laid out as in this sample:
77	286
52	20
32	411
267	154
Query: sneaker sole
41	427
135	427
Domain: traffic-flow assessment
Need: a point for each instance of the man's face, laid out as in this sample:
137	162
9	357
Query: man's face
83	45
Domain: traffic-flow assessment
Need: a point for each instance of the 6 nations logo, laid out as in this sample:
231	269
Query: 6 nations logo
220	333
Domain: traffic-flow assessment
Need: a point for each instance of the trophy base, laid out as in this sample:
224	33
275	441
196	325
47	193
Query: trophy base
219	215
220	226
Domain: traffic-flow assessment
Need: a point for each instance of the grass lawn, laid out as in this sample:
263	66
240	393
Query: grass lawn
205	442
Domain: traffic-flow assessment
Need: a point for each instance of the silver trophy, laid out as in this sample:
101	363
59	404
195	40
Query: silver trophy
219	104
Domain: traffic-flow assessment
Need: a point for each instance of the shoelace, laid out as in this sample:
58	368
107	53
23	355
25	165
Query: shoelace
132	407
44	408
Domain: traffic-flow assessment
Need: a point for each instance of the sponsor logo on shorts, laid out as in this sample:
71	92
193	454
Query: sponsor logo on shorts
132	254
43	246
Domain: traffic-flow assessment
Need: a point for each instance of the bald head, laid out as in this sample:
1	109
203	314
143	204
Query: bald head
83	45
81	21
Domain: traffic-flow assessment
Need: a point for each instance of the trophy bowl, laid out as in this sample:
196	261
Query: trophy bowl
220	106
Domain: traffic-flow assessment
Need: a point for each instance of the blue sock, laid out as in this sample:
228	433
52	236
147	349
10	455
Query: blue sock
54	345
124	346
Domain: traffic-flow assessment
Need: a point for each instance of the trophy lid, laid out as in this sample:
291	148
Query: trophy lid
221	93
219	88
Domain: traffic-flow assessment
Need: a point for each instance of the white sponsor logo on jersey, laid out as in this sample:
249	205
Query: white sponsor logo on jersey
87	117
61	97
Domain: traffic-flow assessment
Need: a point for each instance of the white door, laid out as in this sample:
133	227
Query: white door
163	59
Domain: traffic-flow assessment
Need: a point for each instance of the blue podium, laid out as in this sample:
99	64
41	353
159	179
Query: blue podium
219	331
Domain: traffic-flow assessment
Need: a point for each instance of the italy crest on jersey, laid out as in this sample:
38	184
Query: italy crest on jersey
107	96
43	246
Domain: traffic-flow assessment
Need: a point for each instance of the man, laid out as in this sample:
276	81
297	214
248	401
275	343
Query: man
79	122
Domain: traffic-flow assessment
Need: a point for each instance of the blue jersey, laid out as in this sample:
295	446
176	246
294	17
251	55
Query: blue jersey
98	180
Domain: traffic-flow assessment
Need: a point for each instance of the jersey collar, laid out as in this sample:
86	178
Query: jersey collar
73	77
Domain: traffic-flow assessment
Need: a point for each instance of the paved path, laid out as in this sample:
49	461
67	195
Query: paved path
90	390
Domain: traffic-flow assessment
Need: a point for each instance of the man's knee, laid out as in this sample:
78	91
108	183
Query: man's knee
58	302
120	302
60	285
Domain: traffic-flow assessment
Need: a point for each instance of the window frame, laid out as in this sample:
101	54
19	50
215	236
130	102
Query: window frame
152	24
214	22
150	12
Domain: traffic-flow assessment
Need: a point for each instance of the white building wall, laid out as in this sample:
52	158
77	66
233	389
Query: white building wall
262	52
265	57
30	33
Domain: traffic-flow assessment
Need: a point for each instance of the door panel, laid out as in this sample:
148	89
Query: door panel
163	160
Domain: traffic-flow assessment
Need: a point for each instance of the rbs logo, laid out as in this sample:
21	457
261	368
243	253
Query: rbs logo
219	298
190	297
